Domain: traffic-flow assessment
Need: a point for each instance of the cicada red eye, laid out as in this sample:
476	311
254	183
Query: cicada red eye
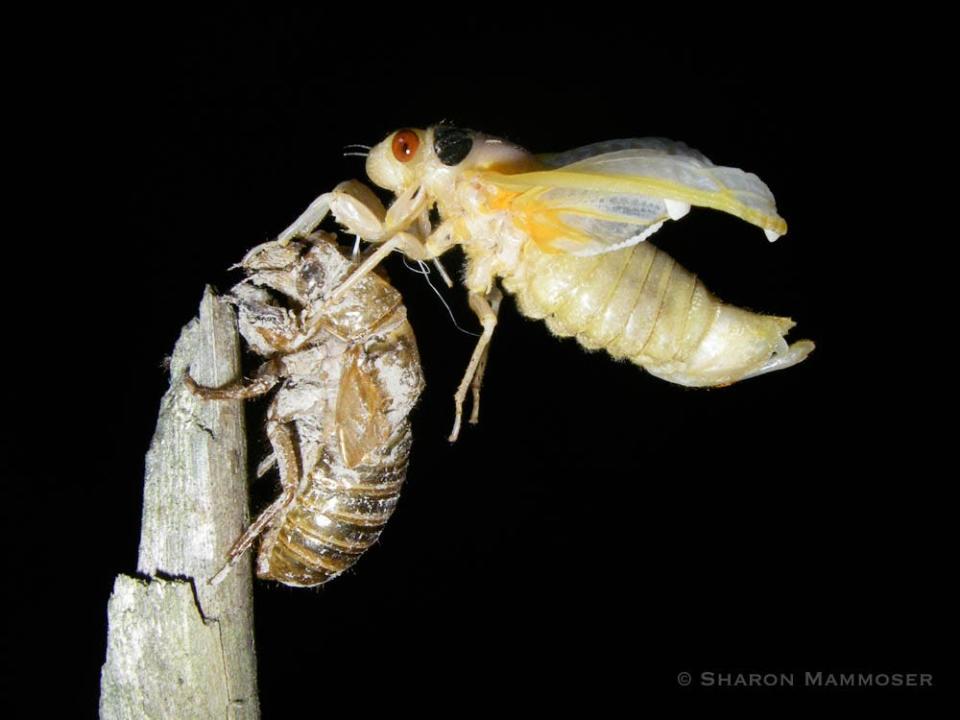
405	145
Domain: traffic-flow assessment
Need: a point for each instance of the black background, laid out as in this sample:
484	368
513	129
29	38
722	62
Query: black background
600	531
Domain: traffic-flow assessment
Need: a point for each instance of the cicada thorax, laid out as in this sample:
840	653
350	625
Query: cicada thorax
638	303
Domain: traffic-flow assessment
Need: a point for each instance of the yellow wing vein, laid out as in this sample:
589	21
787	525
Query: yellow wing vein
532	184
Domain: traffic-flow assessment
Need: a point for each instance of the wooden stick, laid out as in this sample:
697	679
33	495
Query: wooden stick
176	646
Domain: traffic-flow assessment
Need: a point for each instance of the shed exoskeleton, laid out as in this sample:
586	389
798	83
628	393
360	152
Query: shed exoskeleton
348	375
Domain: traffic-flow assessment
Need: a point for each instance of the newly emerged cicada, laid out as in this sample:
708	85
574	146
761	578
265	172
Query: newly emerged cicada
565	233
349	374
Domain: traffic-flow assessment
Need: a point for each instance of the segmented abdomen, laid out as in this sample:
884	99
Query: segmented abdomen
638	303
338	515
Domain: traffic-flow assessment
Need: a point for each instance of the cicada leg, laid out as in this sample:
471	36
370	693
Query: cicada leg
359	210
494	298
352	203
308	220
406	243
437	243
486	307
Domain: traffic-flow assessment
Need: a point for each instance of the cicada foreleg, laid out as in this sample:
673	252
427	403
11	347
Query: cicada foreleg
407	244
403	242
354	206
405	227
308	220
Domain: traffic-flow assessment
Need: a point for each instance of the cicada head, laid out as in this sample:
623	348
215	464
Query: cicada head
437	156
399	161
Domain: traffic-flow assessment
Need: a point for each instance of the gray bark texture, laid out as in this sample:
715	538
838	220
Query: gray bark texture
177	647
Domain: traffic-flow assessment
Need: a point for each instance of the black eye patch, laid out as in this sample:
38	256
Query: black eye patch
451	144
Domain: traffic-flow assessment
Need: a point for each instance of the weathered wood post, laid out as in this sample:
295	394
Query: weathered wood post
177	647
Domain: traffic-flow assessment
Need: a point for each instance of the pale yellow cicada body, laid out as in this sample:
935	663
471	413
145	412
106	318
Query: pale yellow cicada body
566	234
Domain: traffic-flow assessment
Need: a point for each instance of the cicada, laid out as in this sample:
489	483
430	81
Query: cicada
566	234
348	376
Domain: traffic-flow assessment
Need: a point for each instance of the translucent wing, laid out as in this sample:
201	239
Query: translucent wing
661	145
613	194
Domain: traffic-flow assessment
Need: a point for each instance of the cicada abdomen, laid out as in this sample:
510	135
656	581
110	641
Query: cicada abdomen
348	375
333	522
640	304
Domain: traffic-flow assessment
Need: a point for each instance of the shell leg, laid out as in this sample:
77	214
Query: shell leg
267	376
281	438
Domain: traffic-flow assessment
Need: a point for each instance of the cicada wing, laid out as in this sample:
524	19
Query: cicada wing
688	178
361	423
585	152
610	195
586	222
